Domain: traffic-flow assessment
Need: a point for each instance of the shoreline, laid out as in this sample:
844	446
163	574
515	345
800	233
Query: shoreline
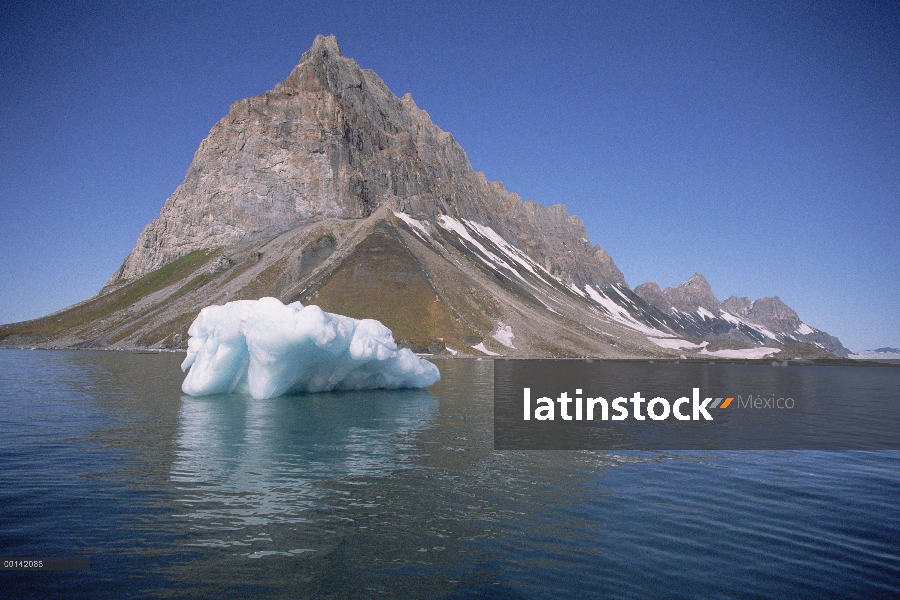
827	362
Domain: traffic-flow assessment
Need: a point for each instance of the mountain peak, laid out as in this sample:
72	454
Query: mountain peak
696	279
324	45
775	314
653	295
692	294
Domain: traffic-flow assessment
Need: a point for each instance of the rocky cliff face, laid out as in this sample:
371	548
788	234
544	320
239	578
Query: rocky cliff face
737	306
332	141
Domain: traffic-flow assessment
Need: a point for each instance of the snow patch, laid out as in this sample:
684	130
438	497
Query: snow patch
705	313
488	257
622	294
805	329
731	318
417	226
577	290
480	347
267	349
760	352
675	343
504	335
509	250
758	328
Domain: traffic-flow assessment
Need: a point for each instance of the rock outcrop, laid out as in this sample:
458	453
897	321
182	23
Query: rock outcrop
654	296
687	297
737	306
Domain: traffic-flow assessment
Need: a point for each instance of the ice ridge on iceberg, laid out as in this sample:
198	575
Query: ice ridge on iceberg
267	349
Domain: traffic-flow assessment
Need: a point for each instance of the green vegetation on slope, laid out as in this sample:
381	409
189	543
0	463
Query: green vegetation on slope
74	320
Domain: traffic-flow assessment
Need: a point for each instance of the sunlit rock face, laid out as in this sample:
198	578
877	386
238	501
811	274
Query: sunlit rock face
332	141
267	349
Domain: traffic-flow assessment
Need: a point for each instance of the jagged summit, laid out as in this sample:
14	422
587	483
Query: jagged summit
324	44
692	294
332	141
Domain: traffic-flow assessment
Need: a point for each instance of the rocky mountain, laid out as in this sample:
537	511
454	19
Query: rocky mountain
767	320
329	189
332	141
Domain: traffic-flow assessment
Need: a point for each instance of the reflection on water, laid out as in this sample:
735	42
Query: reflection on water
244	462
400	494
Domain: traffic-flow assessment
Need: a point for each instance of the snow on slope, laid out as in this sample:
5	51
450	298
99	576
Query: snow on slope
676	344
622	316
488	257
504	335
739	321
705	313
805	329
480	347
511	251
748	353
417	226
496	253
509	255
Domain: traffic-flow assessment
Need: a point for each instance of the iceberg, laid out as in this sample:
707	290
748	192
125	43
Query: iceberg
267	349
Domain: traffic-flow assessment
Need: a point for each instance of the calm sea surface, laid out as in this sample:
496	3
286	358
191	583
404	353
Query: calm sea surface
399	494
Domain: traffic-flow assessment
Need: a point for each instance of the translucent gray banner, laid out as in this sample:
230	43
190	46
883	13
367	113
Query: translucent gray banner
638	405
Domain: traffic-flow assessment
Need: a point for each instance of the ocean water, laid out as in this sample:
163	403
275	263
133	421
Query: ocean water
400	494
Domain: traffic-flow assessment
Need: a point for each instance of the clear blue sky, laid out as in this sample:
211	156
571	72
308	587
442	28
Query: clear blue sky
756	143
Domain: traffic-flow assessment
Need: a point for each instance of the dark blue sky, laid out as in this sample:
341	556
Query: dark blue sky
758	144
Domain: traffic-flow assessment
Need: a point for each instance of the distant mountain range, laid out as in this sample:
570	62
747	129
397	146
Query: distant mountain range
878	354
330	190
699	313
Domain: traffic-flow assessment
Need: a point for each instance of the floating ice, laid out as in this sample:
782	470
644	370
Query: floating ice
267	349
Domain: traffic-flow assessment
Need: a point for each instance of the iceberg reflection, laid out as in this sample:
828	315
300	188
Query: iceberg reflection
241	462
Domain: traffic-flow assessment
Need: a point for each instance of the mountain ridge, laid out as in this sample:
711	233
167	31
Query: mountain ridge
769	313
